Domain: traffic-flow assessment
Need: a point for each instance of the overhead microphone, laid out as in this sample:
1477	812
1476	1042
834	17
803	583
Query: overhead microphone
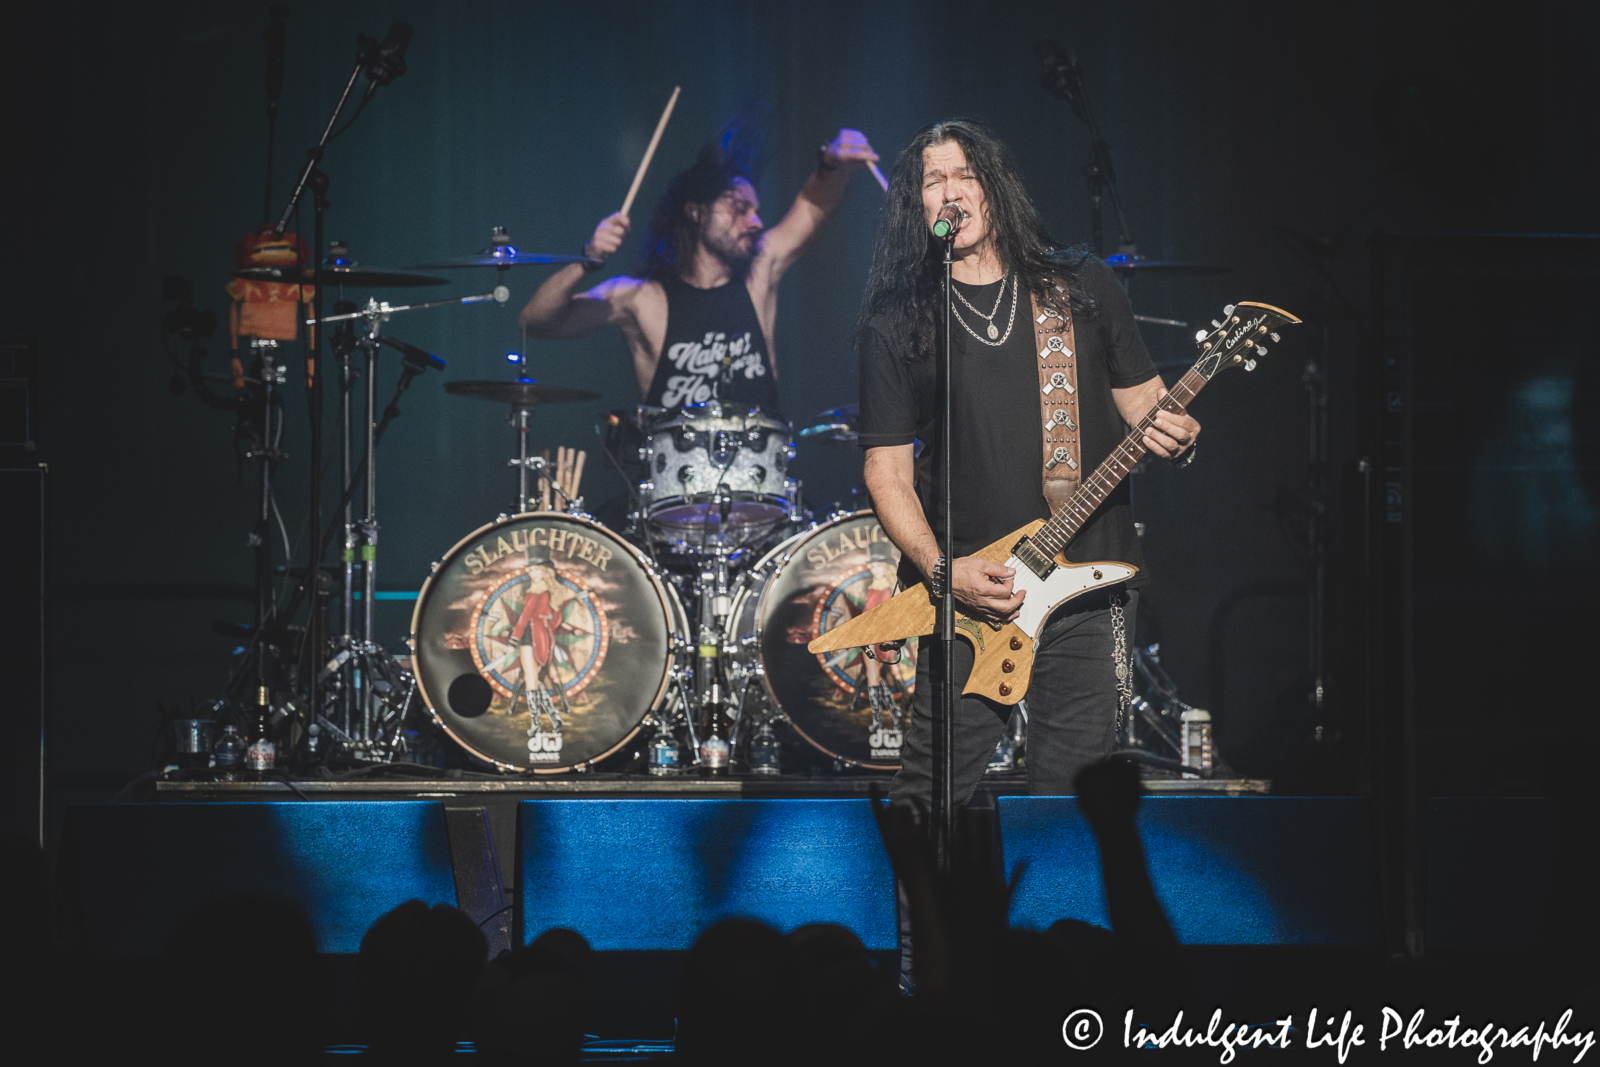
386	59
949	220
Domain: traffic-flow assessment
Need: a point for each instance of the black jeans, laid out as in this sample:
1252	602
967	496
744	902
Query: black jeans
1072	705
1072	716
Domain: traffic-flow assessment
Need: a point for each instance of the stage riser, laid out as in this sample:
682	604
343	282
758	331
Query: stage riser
631	875
1228	870
130	872
648	875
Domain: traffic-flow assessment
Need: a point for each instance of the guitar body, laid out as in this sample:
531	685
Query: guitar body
1002	655
1003	663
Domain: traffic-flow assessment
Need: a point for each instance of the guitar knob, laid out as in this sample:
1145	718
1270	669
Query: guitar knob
1008	666
1005	689
1016	643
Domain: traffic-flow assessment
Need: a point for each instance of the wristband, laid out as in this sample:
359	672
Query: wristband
1184	460
822	160
939	581
593	264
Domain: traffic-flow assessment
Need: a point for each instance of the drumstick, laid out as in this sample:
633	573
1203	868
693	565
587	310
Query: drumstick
577	473
644	164
544	483
564	472
878	174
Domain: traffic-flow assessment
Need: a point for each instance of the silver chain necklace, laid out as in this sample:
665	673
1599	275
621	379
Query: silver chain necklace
992	330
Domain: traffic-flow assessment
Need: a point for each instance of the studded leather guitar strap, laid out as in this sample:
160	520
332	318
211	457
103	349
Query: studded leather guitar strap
1058	395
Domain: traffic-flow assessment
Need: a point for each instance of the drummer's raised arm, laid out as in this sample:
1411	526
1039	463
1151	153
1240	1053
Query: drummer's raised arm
557	309
822	193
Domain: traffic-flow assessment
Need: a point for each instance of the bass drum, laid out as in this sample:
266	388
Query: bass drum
541	642
842	703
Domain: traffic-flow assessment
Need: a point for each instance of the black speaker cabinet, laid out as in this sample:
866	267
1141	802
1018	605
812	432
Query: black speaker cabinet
22	545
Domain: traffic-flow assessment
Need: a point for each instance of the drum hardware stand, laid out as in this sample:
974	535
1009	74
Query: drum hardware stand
383	62
270	374
363	672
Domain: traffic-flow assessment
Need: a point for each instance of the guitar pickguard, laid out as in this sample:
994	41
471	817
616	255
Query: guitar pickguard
1068	580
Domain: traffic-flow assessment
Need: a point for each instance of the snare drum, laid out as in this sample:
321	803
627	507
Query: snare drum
842	703
717	475
543	640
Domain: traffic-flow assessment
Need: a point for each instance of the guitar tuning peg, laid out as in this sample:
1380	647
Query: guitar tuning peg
1260	351
1217	324
1227	310
1249	364
1276	338
1199	335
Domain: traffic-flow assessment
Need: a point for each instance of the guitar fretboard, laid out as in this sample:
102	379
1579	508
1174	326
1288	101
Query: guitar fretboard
1064	525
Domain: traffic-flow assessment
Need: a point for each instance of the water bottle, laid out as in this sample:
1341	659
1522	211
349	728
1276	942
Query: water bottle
1196	740
764	750
663	755
229	753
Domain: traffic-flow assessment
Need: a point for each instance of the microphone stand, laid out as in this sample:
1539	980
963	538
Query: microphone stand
311	177
1063	78
944	707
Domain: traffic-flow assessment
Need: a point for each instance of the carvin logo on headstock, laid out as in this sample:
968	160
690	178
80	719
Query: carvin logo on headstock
555	538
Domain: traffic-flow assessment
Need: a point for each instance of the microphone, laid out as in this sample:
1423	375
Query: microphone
417	357
1060	75
949	221
386	60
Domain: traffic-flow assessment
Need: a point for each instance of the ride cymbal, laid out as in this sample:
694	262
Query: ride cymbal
520	394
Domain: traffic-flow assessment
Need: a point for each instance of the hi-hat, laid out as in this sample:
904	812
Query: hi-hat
520	394
1124	264
502	253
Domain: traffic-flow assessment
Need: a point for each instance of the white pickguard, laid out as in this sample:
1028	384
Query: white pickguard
1065	582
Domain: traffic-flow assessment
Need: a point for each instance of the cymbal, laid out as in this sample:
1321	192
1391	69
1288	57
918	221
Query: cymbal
354	276
836	426
502	253
1139	265
503	256
519	394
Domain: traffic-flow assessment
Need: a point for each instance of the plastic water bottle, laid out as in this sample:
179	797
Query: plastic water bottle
1197	752
229	752
764	750
663	755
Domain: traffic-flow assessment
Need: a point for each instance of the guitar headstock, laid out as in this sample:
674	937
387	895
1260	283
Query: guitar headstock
1239	337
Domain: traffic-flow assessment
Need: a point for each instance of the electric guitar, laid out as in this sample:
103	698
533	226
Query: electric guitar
1003	663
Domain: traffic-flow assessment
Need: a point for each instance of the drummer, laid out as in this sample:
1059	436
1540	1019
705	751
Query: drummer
708	298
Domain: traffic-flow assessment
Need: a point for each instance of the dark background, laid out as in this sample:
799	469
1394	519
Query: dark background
135	141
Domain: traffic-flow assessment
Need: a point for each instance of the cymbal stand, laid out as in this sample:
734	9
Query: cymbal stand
272	374
528	466
366	676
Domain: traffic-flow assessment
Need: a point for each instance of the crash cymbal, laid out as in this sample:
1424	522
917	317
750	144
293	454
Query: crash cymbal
502	253
1139	265
836	426
351	276
520	394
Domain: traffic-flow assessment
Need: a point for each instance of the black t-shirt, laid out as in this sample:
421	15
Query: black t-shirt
998	442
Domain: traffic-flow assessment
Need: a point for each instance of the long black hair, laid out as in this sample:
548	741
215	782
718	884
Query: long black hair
907	277
738	151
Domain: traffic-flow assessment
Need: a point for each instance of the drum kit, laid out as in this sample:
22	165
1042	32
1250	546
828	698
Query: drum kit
545	641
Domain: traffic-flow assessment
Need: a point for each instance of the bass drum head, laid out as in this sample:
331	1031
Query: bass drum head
813	582
566	598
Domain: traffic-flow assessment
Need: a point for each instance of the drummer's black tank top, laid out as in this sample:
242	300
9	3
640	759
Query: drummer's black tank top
714	349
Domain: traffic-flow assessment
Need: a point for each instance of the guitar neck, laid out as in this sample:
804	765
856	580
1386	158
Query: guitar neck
1093	490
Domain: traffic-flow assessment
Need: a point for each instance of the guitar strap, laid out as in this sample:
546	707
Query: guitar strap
1058	394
